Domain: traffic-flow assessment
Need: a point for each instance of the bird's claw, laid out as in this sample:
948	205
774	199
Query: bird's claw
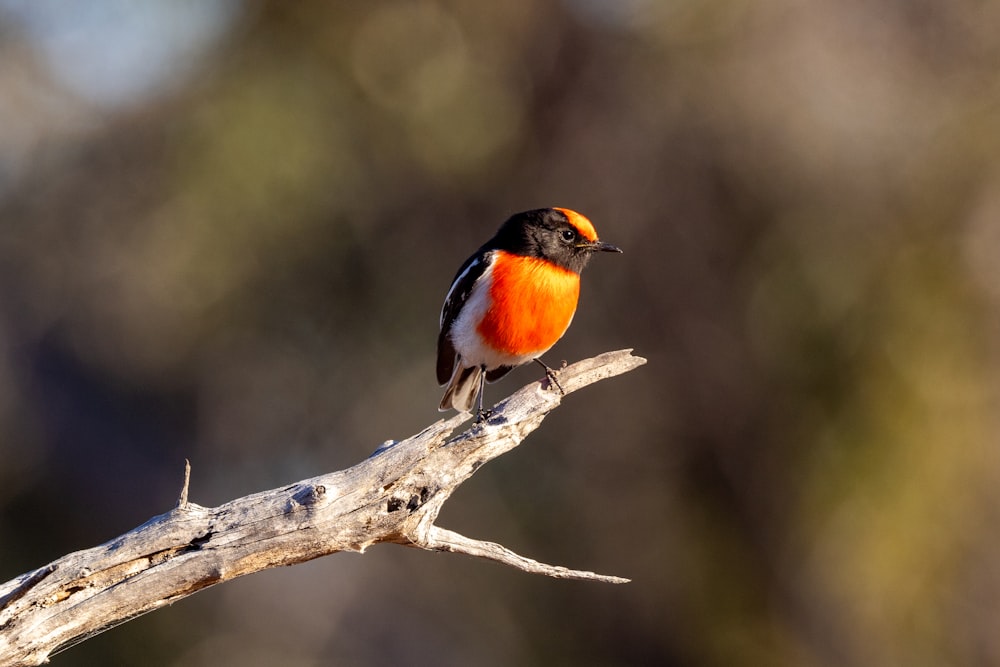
550	375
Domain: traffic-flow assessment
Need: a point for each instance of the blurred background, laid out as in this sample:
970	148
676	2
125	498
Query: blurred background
226	230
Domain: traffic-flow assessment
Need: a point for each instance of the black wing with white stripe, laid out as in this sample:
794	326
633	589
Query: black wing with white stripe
471	271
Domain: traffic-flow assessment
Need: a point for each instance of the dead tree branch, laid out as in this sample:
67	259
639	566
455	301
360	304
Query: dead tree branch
393	496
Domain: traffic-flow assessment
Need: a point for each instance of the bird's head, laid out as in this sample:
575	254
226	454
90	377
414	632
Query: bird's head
559	235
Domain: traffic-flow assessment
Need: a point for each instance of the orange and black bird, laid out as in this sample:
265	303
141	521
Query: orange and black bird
511	301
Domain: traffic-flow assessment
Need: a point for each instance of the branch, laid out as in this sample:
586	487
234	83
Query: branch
393	496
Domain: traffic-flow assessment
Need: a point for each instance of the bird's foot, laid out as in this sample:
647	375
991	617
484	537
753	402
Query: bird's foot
550	374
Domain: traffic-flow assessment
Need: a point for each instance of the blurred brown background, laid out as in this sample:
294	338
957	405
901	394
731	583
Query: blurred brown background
226	229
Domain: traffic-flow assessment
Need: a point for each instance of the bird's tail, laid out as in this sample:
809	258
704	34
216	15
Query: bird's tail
463	388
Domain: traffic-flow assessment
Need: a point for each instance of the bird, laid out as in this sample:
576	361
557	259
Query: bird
511	301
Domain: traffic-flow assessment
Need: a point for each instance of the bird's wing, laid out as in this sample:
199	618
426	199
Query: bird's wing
461	287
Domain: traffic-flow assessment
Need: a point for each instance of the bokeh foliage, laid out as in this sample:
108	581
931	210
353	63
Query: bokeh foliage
243	266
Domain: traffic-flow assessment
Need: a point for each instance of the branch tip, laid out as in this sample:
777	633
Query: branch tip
182	500
441	539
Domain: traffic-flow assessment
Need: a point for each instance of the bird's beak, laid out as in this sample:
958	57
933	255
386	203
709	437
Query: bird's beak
601	246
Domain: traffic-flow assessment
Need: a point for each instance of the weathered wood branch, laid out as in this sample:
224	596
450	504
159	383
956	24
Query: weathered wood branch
393	496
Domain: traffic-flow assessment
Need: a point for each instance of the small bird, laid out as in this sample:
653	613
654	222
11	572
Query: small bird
511	301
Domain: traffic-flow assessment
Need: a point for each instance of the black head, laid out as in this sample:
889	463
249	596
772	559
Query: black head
559	235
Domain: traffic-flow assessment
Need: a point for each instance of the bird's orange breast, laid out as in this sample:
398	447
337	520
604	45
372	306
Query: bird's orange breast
533	302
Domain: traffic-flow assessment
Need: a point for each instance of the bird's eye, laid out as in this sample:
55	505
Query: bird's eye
568	235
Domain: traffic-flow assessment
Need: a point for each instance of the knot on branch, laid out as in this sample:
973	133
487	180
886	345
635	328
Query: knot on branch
309	494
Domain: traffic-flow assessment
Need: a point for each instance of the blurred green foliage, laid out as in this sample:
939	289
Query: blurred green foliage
244	267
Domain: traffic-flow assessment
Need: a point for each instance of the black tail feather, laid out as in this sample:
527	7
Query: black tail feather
462	389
